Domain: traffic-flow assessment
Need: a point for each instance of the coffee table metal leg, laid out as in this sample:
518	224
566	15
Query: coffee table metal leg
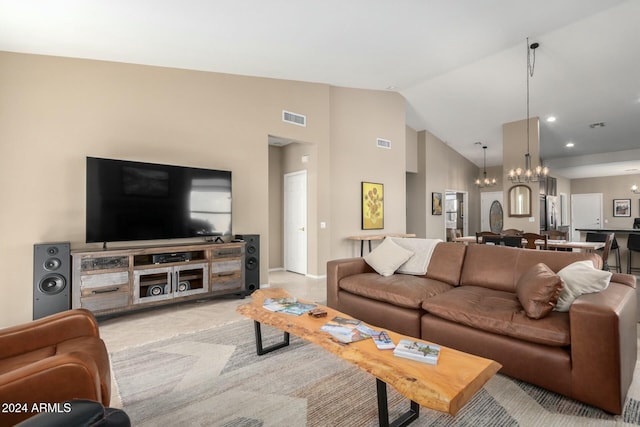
383	409
264	350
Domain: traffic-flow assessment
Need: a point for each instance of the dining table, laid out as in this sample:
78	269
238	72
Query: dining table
551	244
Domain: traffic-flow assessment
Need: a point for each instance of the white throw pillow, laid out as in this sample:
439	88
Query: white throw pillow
580	278
422	250
387	257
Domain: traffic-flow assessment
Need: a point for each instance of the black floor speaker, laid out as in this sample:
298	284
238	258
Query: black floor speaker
51	278
251	261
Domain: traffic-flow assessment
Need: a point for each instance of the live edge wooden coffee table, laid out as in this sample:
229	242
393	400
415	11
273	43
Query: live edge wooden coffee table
445	387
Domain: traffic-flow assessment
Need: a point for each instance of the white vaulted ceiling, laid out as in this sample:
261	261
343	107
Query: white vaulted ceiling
461	65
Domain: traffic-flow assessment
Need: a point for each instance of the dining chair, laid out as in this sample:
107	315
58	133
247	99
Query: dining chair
557	235
511	241
531	241
602	237
605	251
480	236
512	232
633	244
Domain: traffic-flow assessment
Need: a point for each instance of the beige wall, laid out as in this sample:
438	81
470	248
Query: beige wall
611	187
276	203
440	168
358	117
412	149
57	111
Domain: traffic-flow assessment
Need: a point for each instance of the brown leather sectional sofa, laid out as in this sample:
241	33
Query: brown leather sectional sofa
467	300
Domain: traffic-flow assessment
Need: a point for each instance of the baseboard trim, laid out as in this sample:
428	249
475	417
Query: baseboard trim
311	276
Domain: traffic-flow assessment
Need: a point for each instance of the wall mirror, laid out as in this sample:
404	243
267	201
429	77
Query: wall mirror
520	201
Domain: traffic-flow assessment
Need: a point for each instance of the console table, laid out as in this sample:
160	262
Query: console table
108	281
371	237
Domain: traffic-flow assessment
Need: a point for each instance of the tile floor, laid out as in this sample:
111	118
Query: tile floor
152	325
142	327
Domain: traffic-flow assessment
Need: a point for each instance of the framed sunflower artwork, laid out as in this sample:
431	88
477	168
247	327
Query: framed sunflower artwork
372	206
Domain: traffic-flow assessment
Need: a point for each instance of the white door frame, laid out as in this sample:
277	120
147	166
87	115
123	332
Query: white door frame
295	232
465	218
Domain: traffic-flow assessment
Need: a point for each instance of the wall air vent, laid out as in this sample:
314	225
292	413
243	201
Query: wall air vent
383	143
294	118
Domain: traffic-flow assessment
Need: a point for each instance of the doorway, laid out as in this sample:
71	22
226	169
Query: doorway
455	210
295	222
487	200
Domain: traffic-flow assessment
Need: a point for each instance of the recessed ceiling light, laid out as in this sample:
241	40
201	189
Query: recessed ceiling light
569	144
551	119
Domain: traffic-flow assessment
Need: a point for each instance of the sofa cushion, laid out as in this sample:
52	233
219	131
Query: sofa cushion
399	289
508	264
387	257
538	290
498	312
422	250
446	262
580	278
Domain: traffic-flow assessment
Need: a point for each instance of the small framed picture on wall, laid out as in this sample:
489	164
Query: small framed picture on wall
621	207
436	203
372	206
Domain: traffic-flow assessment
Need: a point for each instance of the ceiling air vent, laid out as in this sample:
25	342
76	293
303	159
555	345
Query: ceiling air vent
383	143
294	118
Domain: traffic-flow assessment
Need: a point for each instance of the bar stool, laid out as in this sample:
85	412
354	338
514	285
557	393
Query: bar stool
633	245
602	237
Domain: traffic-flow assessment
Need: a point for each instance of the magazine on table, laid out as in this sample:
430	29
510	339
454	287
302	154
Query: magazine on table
289	305
346	330
277	304
351	330
420	351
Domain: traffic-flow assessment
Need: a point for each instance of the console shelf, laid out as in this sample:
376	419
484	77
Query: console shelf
109	281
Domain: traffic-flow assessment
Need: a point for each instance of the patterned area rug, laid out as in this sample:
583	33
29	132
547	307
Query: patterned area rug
214	378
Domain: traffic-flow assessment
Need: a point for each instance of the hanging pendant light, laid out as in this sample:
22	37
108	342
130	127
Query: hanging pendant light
484	181
527	174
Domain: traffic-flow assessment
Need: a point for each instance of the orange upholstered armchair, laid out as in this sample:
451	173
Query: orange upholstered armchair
50	360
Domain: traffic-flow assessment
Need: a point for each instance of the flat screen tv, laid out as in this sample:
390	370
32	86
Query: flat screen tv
129	201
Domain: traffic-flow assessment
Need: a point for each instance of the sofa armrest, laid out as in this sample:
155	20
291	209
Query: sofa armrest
604	345
339	268
50	380
625	279
47	331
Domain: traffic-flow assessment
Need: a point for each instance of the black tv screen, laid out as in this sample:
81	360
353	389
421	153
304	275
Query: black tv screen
145	201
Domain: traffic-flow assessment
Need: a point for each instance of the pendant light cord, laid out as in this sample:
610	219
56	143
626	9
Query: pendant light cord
530	68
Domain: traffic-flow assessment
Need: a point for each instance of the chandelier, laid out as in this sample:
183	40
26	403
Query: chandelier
528	174
484	181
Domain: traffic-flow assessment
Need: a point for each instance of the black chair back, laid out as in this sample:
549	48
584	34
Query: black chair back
633	242
602	237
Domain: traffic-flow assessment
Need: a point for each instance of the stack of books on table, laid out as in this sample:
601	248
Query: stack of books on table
287	305
420	351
